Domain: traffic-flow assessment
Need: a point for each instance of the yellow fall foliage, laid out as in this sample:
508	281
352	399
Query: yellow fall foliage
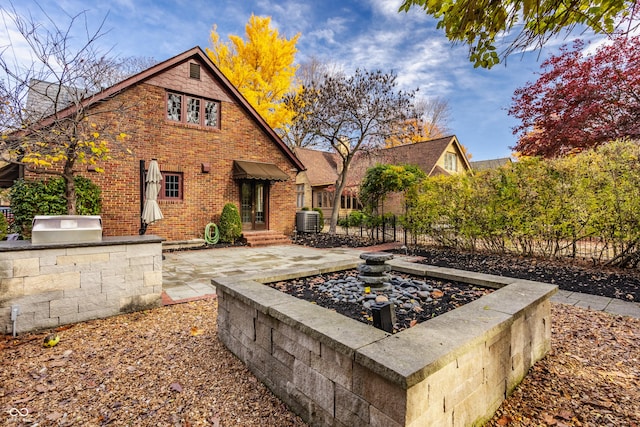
261	67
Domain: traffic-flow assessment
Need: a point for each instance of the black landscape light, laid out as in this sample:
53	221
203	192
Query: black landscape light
384	316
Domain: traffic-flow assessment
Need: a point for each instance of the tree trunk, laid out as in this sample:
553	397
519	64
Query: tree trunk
70	194
70	186
339	187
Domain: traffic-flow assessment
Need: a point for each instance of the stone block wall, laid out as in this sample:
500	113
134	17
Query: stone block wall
453	370
59	284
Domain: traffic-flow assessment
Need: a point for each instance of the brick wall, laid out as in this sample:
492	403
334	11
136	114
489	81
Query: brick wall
183	148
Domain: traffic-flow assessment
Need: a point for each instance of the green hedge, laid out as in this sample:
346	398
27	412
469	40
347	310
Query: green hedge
4	227
31	198
536	206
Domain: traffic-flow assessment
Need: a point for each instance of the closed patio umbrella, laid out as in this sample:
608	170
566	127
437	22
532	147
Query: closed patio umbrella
151	212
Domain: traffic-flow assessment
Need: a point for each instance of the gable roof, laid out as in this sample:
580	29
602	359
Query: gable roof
193	53
424	154
322	166
491	163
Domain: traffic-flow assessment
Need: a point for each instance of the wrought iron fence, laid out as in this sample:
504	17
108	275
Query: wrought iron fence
8	214
592	249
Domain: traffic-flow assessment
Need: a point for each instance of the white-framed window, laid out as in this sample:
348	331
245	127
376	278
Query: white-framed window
451	162
324	199
300	196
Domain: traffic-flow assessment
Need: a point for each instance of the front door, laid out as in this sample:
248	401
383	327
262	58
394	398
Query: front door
253	205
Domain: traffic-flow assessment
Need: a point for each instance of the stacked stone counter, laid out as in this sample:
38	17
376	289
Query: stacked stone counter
453	370
57	284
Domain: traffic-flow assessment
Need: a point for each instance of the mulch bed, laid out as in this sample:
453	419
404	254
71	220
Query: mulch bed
569	275
166	367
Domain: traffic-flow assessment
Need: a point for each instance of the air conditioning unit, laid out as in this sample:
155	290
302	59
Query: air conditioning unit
307	221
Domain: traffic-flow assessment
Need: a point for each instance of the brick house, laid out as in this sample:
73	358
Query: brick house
314	186
212	148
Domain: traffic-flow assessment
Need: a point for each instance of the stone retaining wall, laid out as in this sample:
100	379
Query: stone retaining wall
57	284
453	370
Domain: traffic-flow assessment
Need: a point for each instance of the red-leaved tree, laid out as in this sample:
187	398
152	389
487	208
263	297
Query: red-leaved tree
580	101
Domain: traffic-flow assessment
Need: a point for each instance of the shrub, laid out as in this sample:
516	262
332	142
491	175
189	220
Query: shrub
230	224
355	219
4	226
321	219
31	198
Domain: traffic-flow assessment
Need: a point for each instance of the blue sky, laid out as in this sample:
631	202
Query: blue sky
351	34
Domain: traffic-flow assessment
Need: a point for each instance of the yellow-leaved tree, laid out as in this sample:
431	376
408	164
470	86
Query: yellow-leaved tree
261	68
430	122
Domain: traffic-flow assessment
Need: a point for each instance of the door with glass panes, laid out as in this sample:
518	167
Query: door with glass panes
254	205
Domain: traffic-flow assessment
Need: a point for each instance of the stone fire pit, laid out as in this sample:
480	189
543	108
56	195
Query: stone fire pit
454	369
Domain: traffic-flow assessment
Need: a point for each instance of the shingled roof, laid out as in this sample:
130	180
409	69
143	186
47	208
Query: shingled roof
424	154
322	166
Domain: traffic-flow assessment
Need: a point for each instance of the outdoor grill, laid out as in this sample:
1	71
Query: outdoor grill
66	229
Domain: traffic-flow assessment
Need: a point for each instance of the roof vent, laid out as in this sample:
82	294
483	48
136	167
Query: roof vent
194	71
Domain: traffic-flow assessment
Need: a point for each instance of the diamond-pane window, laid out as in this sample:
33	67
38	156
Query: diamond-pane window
211	114
193	110
188	109
174	107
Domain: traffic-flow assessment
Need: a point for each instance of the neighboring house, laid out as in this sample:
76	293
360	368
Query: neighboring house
313	184
212	148
8	174
481	165
441	156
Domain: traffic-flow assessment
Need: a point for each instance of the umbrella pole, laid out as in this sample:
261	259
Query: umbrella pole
143	225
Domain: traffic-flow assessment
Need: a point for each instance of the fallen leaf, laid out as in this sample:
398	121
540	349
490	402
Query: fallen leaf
566	414
196	331
175	387
548	419
504	420
41	388
413	323
437	293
